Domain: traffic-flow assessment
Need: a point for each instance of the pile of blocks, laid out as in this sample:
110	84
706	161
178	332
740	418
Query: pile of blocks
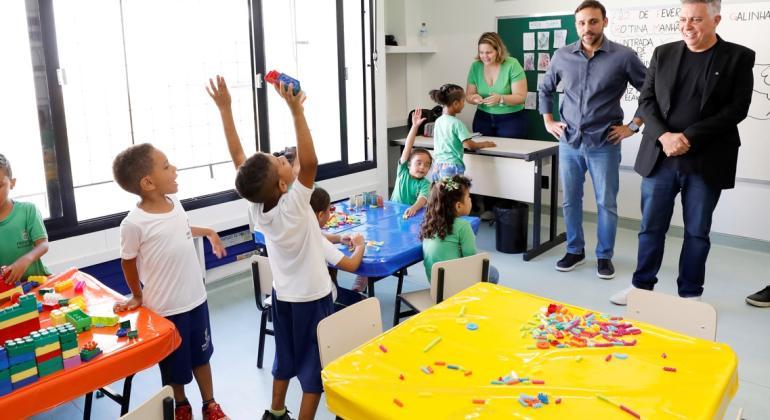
20	319
47	351
5	374
21	361
68	340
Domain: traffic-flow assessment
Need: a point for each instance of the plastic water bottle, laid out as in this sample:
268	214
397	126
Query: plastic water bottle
423	33
275	77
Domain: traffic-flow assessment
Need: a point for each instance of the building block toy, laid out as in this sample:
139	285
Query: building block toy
43	290
37	279
105	320
79	319
133	334
275	77
3	359
79	302
57	317
20	319
121	332
126	325
21	360
27	286
89	351
5	382
80	285
63	285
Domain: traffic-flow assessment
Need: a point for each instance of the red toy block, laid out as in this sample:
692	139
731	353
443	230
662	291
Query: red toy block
19	330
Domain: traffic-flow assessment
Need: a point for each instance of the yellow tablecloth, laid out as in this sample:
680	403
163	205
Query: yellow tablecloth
366	383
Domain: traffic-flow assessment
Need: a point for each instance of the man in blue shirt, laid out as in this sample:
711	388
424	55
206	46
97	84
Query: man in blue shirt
594	72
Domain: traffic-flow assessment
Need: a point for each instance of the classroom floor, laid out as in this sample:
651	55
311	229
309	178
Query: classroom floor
244	391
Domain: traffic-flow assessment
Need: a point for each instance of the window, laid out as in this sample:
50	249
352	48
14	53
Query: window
97	76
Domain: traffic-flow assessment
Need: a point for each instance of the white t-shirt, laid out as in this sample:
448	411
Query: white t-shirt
165	258
333	256
295	246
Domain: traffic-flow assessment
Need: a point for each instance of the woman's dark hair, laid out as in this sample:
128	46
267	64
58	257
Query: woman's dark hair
447	94
440	212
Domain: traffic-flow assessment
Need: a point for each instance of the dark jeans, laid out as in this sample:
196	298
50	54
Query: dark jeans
512	125
699	199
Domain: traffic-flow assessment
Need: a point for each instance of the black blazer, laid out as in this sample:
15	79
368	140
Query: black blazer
714	139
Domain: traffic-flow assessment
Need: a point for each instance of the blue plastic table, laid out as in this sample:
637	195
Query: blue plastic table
401	242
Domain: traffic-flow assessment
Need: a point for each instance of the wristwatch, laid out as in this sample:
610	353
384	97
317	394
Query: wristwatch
633	127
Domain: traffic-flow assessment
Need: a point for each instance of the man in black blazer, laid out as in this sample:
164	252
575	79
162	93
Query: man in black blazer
696	92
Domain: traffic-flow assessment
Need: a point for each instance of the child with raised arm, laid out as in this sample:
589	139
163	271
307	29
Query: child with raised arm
412	187
163	272
450	135
301	285
23	239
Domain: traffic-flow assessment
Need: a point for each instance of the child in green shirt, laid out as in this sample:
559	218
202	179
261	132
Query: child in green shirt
445	235
23	239
412	187
450	135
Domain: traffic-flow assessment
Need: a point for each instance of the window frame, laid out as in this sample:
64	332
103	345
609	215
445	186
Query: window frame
67	225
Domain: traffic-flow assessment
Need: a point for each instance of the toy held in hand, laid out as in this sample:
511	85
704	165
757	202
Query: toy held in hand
275	77
290	153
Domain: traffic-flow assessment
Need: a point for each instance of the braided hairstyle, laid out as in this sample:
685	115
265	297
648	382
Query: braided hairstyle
440	213
447	94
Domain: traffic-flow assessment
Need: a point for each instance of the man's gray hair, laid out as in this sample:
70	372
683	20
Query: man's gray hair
713	6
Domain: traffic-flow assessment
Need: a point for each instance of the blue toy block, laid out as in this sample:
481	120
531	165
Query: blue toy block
27	286
3	358
121	332
25	382
21	358
5	387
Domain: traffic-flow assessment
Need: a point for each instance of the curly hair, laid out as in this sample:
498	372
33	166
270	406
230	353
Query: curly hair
5	165
319	200
440	214
257	179
131	165
447	94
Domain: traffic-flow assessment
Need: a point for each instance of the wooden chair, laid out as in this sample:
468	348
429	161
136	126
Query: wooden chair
262	278
347	329
449	277
159	407
697	319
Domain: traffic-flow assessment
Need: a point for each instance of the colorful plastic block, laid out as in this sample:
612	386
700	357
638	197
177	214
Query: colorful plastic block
72	362
57	317
44	290
133	334
126	324
50	366
80	286
27	286
121	332
87	355
105	320
79	319
3	358
24	382
5	386
37	279
78	301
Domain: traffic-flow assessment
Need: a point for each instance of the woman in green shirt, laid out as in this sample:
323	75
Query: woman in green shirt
498	86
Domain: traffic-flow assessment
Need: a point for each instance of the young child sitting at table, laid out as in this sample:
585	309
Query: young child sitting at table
320	202
23	239
162	270
444	233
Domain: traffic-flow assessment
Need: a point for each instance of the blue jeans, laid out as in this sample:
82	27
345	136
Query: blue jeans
513	125
603	164
699	200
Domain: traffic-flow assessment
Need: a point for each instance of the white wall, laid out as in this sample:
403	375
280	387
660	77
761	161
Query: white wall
455	26
97	247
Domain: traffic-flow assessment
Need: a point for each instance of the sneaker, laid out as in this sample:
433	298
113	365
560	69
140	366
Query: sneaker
183	412
621	298
270	416
360	284
760	299
570	261
605	269
213	411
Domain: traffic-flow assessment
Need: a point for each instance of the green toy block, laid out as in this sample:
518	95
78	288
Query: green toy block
5	374
44	337
105	320
79	319
133	334
50	366
21	367
86	355
125	324
20	346
64	302
44	290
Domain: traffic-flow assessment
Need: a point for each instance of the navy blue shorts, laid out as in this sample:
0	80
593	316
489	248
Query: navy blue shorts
196	347
296	342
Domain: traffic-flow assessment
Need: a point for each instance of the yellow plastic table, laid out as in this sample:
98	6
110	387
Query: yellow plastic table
434	366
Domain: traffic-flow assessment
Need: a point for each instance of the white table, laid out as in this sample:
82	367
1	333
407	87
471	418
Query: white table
513	170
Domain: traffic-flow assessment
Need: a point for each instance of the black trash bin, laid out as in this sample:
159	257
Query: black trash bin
512	219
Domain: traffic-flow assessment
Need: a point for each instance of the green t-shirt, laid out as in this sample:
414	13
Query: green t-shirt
449	133
510	72
460	243
18	233
408	189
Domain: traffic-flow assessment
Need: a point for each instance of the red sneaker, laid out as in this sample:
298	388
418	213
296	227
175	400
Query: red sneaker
183	412
214	412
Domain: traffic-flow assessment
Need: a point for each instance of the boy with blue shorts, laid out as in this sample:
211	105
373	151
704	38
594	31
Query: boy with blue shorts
157	252
302	289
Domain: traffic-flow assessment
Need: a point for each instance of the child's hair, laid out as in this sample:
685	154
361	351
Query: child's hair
493	40
420	151
131	165
447	94
257	179
319	200
5	166
440	214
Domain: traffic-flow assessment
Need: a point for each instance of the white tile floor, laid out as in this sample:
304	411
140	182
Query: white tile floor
244	391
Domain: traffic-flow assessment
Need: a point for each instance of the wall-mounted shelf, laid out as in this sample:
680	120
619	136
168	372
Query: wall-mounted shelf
406	49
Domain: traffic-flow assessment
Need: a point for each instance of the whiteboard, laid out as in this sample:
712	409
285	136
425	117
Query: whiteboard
644	28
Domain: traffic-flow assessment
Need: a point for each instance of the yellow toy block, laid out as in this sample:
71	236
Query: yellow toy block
58	317
66	354
37	279
63	285
79	302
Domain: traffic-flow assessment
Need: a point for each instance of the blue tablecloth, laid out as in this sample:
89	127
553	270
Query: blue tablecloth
401	242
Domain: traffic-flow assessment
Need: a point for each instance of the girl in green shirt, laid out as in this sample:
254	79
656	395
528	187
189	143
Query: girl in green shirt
445	234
